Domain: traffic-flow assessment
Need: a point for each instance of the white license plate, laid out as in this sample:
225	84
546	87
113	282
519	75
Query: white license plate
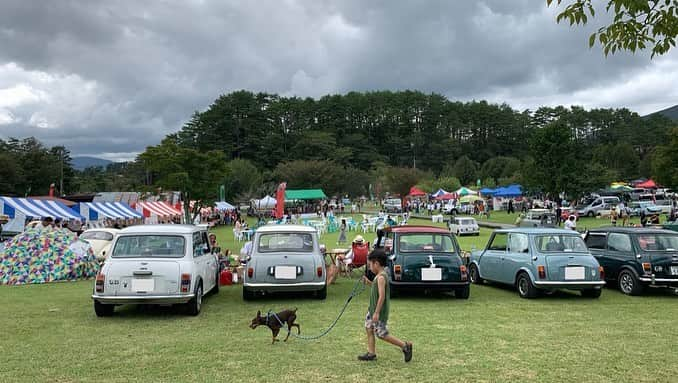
674	270
431	274
575	273
285	272
143	285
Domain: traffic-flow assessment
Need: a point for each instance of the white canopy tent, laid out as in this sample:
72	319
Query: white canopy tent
265	203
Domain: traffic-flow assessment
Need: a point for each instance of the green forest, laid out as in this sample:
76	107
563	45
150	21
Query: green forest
390	140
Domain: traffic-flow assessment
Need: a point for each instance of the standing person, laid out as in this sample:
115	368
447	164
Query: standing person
623	214
510	207
342	232
377	313
571	223
559	213
613	216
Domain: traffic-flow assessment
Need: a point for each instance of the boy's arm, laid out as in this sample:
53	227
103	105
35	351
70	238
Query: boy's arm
366	280
381	284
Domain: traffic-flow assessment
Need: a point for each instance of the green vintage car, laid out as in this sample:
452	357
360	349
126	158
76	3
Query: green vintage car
671	225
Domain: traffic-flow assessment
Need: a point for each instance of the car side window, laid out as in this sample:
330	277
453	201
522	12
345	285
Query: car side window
596	241
205	240
619	242
197	245
499	242
518	243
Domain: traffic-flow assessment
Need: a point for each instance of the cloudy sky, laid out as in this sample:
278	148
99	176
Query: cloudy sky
108	78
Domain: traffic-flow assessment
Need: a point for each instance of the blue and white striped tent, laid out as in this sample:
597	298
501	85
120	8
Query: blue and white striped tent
36	208
95	211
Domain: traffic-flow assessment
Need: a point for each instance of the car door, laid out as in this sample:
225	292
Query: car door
211	262
619	252
200	259
517	256
597	244
490	263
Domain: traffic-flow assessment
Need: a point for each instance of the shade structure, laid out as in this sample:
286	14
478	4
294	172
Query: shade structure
447	196
620	187
416	192
439	193
267	202
462	191
509	191
649	184
487	191
304	194
31	208
95	211
156	208
221	205
470	199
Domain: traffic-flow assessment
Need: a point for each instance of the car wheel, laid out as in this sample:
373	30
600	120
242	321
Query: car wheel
477	234
629	284
194	306
475	275
322	293
589	214
215	289
525	287
103	310
458	233
247	295
591	293
462	292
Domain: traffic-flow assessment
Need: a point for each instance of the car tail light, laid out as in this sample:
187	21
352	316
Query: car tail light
185	282
647	267
542	272
397	269
464	274
250	272
601	271
319	271
99	284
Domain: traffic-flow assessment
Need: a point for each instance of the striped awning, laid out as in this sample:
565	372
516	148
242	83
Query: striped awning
33	208
157	208
95	211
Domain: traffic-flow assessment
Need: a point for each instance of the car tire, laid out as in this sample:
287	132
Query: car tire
247	295
474	274
591	293
629	284
322	293
525	287
194	306
462	292
215	289
102	310
477	234
589	214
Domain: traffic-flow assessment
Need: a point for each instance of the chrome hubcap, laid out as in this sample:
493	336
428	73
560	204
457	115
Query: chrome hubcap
626	283
198	299
522	286
474	274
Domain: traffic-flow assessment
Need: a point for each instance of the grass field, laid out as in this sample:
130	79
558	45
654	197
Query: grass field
50	334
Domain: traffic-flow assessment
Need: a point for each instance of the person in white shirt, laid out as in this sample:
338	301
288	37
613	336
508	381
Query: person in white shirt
571	223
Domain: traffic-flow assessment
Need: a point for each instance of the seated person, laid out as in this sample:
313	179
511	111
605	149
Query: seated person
348	258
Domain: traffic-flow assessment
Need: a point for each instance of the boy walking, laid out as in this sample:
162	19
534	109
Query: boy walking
377	313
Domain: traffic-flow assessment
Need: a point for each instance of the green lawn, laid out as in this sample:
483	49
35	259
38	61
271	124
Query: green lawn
50	334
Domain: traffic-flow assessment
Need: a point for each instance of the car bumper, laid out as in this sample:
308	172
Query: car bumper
660	282
286	287
136	299
574	285
429	285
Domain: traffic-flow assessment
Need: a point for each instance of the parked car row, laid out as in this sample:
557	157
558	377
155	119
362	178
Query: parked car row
174	264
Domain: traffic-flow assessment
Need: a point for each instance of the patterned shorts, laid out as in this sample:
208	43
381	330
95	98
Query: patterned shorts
379	328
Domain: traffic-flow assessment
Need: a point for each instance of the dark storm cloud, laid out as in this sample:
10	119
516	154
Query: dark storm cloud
114	77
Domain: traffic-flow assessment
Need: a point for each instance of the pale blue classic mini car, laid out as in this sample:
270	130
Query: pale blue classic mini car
536	260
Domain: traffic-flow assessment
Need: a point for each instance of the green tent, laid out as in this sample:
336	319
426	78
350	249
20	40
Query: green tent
304	194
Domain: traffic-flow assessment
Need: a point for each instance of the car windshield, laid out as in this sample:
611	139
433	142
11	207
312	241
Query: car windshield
558	243
658	242
466	222
97	235
149	246
425	242
278	242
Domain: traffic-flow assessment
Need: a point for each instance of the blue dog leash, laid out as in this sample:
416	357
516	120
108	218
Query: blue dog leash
358	288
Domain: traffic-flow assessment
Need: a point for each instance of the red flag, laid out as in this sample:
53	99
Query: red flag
280	200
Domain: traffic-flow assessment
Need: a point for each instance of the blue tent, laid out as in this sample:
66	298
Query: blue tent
509	191
487	191
95	211
36	208
439	193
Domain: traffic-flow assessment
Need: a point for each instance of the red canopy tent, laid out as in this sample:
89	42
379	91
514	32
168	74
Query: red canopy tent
649	184
416	192
157	209
447	196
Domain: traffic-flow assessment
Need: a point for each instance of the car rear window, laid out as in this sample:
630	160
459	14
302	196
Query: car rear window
558	243
97	235
149	246
658	242
466	222
278	242
415	243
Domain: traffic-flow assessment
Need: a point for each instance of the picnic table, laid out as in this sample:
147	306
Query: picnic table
334	253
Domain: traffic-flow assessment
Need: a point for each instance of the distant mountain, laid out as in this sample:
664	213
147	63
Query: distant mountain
80	163
671	113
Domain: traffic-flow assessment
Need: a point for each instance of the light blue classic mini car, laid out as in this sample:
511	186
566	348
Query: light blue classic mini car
538	260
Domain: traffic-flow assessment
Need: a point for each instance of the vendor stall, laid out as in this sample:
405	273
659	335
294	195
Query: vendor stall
158	211
99	211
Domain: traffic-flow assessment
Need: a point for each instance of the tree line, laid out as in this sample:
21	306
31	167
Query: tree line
373	142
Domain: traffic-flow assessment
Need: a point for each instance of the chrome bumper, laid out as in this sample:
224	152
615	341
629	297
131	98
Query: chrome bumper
569	283
654	280
286	286
140	299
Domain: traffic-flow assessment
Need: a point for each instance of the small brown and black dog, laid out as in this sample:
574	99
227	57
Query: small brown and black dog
286	317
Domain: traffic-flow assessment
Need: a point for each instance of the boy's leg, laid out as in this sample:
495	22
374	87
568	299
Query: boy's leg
371	343
393	340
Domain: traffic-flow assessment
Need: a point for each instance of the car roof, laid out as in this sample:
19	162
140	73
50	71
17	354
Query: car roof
417	229
161	229
286	229
631	230
110	230
536	230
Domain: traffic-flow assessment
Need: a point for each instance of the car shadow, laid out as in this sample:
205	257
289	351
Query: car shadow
543	294
425	294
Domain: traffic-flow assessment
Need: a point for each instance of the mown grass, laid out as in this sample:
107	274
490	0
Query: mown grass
50	334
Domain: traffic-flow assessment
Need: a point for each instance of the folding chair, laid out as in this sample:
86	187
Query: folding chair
360	252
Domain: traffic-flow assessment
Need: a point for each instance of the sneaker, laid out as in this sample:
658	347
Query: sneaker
367	357
407	351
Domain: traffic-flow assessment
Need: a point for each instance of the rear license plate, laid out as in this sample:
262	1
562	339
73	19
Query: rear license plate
285	272
674	270
431	274
574	273
143	285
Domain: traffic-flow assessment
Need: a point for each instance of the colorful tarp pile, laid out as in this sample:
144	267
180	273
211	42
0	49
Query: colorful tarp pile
41	256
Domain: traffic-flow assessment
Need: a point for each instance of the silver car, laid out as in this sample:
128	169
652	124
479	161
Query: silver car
285	258
157	264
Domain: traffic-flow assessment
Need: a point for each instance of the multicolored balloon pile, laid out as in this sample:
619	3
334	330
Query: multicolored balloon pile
41	256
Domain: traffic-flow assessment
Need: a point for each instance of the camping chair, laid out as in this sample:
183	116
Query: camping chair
360	252
238	234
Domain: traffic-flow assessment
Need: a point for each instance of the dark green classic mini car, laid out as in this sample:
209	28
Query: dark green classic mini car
425	258
636	257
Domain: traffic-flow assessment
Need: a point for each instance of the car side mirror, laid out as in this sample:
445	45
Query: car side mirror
206	250
323	249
